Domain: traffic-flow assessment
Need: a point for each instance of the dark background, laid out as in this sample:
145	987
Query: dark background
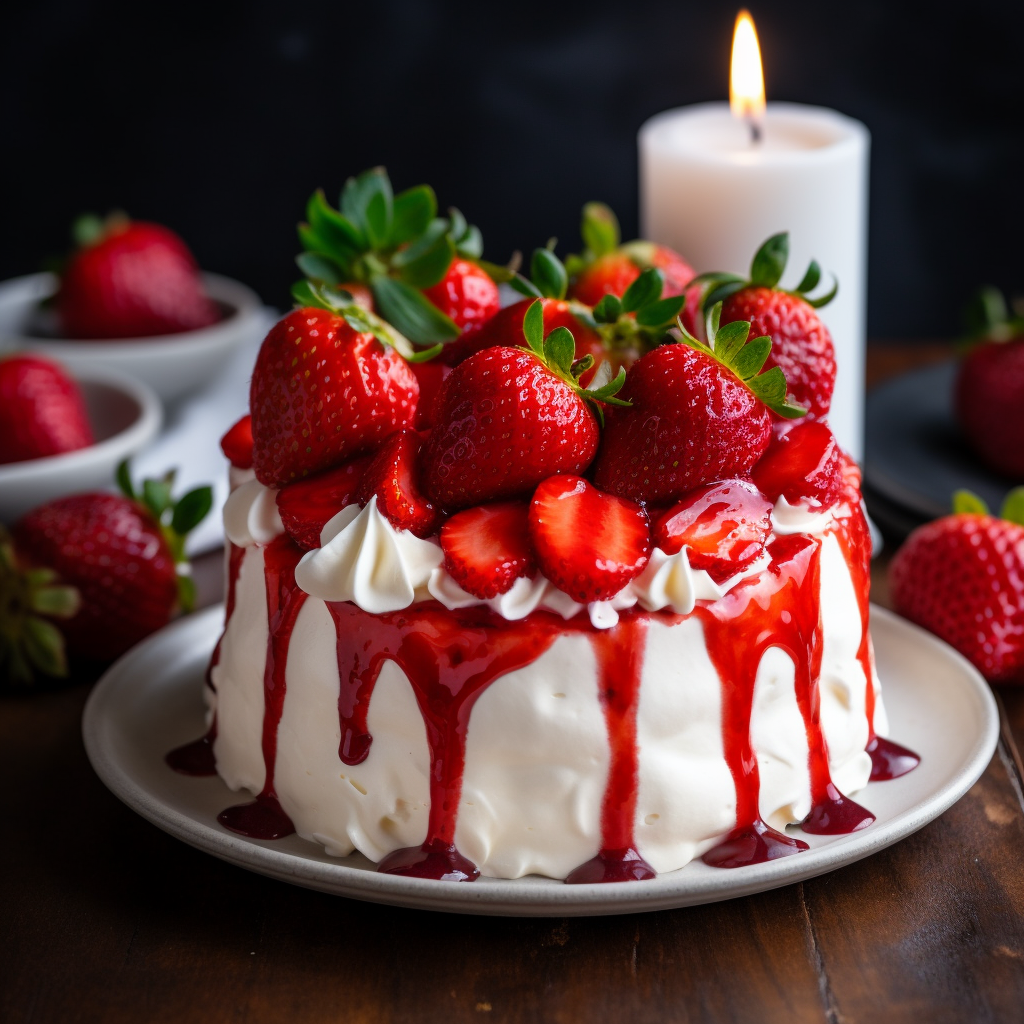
220	118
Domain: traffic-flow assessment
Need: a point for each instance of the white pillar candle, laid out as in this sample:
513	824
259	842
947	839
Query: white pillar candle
711	193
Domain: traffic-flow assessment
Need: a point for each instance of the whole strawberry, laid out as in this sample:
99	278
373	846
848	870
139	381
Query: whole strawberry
508	418
466	294
989	395
962	578
131	279
608	268
801	344
41	410
326	388
121	552
697	415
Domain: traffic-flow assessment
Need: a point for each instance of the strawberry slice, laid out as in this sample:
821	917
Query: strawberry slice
392	476
588	543
306	506
236	444
487	548
724	527
803	465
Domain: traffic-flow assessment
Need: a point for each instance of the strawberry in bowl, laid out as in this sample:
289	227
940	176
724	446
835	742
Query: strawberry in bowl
90	575
132	300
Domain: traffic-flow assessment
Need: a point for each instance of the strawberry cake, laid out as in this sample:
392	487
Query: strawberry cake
485	619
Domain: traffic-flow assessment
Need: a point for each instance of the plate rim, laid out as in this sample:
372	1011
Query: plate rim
532	896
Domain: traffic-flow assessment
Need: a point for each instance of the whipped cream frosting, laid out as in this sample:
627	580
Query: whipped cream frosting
251	516
800	518
363	558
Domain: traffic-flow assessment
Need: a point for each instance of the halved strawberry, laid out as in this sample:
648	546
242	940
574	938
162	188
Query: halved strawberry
487	548
236	444
308	504
392	476
803	464
724	527
588	543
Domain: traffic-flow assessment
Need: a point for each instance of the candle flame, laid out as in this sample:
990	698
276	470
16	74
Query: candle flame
746	79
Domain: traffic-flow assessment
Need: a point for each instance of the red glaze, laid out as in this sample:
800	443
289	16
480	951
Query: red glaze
620	663
780	608
888	760
724	526
450	658
264	819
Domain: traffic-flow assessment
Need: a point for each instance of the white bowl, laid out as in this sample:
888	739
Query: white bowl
125	416
171	364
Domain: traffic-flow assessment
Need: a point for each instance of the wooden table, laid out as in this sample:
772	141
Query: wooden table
105	918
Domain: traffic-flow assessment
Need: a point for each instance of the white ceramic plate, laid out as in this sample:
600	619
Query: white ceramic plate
125	416
172	365
150	702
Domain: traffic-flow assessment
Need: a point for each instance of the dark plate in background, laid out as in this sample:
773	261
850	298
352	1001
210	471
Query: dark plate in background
914	454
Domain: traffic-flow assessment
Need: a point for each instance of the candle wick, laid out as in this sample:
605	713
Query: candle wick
755	131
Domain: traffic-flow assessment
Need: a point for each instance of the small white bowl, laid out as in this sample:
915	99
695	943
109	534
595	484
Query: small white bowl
173	365
125	416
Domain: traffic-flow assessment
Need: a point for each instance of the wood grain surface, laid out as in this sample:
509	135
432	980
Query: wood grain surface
105	918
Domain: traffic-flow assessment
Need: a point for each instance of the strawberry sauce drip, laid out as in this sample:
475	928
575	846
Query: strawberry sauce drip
620	658
264	817
197	758
449	658
888	760
778	609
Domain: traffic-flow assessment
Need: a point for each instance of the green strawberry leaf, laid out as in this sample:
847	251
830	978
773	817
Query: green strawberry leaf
411	312
600	229
823	300
425	262
548	274
1013	507
319	267
533	327
661	313
156	496
607	392
751	357
560	349
191	509
58	602
87	229
524	287
497	273
644	290
124	480
727	341
412	212
330	232
44	646
965	501
371	188
186	593
608	310
770	261
719	293
471	244
810	279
